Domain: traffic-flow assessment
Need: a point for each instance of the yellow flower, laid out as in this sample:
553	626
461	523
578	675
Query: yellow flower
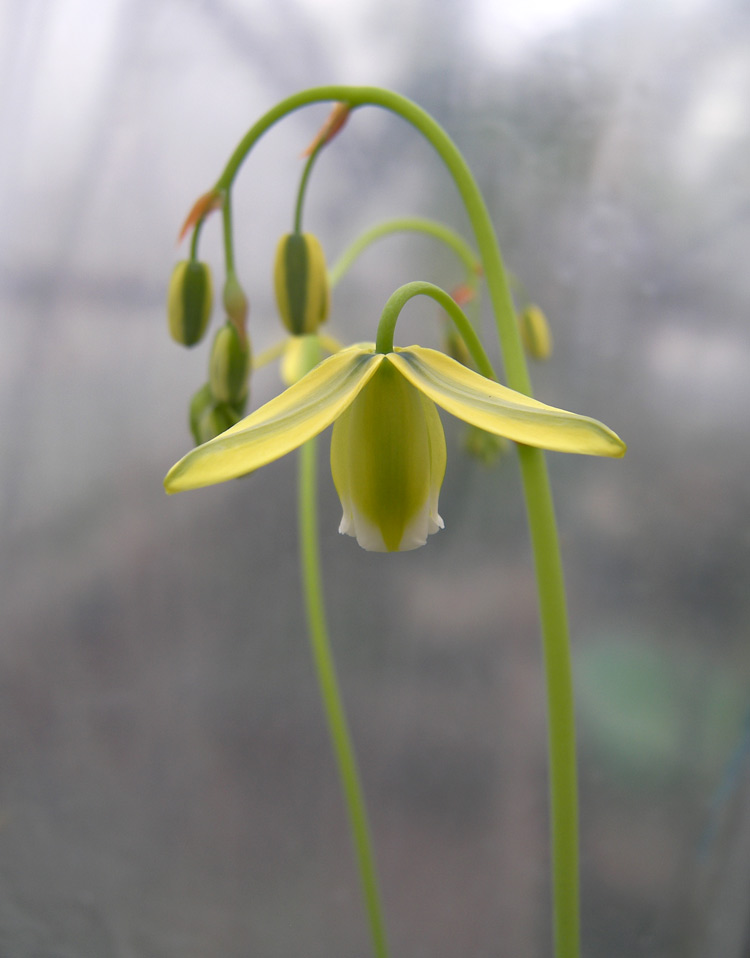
388	448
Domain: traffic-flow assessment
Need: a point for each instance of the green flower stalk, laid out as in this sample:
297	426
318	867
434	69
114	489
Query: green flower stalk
371	392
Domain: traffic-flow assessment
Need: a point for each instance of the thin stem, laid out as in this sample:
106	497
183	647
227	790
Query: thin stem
226	215
412	224
497	282
397	301
331	696
301	191
194	239
561	739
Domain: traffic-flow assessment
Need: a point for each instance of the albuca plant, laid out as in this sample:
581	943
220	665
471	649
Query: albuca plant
388	450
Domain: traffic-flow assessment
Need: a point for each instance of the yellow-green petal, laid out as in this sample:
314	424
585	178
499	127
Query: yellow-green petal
501	410
293	417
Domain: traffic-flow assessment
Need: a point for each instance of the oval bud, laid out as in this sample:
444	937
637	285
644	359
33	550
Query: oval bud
189	301
209	418
229	365
484	446
301	283
535	333
456	348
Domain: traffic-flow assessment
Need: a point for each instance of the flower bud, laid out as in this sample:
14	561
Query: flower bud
229	365
301	282
484	446
535	333
189	301
209	418
455	347
235	302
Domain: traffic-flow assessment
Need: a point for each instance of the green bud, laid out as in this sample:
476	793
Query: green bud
189	301
209	418
535	333
484	446
301	283
455	347
229	365
235	301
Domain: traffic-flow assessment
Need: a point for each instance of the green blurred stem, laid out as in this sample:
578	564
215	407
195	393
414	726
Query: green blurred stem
561	735
331	695
226	216
540	509
412	224
302	190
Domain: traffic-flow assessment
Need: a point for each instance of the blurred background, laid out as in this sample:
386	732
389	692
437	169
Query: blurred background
166	783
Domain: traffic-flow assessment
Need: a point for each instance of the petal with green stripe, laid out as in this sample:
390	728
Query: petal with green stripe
500	410
290	419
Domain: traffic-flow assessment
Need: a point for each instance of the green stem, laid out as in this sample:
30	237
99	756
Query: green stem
194	239
301	191
226	218
563	789
397	301
331	696
560	700
497	282
412	224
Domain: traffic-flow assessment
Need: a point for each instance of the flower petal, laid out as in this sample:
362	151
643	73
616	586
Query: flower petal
501	410
438	462
283	424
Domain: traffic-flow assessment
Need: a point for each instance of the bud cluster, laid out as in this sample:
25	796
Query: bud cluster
220	402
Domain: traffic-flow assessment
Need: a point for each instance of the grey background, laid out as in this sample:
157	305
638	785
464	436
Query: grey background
166	785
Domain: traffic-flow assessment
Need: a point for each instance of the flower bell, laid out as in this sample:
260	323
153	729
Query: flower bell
189	301
301	283
388	461
388	450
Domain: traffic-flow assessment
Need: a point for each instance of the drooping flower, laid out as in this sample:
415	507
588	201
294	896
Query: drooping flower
388	462
388	447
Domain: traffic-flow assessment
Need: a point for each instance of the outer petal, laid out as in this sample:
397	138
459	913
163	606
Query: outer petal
293	417
438	460
500	410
